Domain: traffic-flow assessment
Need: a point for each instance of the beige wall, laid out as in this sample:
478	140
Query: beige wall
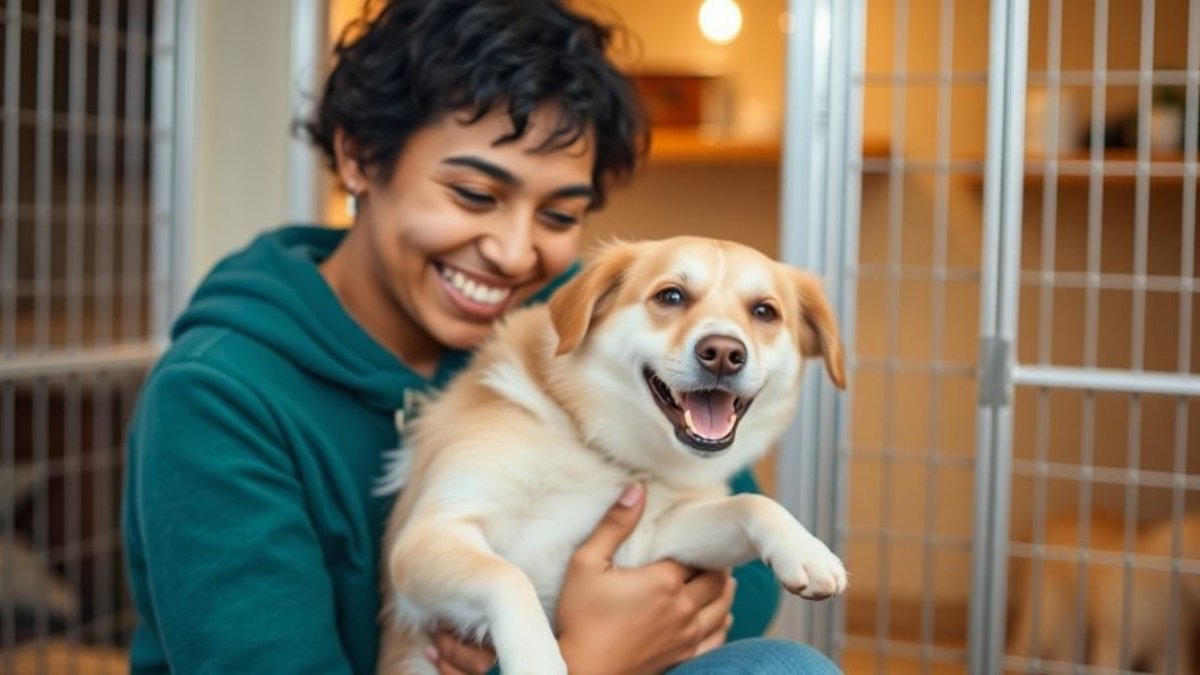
242	109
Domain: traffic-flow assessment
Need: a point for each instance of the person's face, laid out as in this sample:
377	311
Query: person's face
466	229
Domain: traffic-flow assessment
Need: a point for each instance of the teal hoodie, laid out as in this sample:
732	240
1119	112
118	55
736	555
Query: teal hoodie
251	530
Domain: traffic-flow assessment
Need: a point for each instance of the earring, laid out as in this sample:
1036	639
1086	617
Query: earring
352	193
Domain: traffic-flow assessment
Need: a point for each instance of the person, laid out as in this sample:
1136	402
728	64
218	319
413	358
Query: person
475	137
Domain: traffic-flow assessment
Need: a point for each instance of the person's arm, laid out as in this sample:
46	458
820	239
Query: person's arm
758	592
233	572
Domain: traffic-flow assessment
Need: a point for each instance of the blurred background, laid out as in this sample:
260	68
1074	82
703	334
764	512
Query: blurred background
1000	195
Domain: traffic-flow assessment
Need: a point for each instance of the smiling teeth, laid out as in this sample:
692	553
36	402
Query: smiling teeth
478	292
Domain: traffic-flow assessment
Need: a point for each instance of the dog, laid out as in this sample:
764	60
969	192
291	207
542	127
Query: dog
1059	600
675	363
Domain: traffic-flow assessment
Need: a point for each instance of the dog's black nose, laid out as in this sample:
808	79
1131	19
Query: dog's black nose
721	354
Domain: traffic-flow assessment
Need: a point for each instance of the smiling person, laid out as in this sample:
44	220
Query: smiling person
475	136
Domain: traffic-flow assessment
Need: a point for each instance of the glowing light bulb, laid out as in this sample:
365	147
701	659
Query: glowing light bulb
720	20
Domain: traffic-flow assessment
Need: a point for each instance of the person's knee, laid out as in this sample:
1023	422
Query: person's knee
761	656
782	656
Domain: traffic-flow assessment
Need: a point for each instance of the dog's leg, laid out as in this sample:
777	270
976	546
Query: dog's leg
729	531
449	572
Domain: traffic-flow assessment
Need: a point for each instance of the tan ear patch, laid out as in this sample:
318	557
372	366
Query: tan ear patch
819	335
575	307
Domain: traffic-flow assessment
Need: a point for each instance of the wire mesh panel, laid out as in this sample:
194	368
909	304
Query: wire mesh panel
909	446
1026	501
1104	572
86	224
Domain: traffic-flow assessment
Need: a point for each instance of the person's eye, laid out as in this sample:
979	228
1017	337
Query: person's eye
473	198
559	220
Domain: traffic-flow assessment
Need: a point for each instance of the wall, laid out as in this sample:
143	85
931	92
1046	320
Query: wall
242	109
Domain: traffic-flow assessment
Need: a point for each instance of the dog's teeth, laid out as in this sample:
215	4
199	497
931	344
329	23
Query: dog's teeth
732	420
687	419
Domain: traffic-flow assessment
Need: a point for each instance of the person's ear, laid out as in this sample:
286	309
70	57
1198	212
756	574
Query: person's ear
349	165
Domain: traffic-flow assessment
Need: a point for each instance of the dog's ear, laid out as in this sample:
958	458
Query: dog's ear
575	306
818	327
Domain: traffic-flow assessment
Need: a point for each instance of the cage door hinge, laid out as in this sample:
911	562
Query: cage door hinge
995	376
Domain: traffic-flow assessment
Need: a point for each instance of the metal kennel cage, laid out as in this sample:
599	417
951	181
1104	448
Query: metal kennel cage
90	274
1002	199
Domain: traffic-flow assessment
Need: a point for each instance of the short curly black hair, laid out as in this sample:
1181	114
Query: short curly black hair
407	63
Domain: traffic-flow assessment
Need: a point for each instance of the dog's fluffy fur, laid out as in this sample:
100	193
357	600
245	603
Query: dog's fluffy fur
515	464
1059	601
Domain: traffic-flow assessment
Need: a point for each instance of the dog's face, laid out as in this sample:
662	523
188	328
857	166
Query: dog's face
703	339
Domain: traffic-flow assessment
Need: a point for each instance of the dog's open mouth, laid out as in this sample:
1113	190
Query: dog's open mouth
704	419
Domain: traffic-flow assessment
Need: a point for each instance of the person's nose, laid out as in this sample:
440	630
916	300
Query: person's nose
510	248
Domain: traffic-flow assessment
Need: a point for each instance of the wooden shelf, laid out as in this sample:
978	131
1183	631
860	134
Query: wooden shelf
684	146
876	146
1118	168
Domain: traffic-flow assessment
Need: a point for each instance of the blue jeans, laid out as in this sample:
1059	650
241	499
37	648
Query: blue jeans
759	656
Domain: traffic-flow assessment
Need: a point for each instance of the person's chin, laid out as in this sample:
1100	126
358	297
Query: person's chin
464	335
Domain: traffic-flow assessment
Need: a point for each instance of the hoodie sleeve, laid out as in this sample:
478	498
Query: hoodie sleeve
757	596
228	567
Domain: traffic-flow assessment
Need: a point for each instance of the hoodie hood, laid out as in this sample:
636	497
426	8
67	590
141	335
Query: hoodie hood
272	293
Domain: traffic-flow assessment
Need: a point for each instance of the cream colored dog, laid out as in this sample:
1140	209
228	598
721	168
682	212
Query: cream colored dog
675	363
1058	601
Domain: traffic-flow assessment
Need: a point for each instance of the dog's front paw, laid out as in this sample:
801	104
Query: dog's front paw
806	567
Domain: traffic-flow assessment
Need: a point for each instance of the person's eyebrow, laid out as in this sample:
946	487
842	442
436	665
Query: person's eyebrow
572	191
485	167
505	176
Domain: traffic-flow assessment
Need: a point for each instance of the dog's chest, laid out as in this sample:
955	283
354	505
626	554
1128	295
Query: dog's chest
542	536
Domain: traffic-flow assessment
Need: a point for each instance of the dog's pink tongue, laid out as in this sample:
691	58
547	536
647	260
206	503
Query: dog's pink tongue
711	413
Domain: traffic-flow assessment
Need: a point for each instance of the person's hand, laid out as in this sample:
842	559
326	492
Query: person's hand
641	619
452	656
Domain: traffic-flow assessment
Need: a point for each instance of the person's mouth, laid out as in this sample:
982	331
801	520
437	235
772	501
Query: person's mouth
474	294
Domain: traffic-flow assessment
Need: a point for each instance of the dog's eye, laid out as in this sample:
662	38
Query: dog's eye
670	296
764	312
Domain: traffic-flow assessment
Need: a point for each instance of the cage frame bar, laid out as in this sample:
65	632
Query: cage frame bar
821	146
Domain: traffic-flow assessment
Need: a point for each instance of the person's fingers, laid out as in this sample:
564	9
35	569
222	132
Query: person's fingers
460	656
443	668
716	638
665	574
707	587
614	527
713	616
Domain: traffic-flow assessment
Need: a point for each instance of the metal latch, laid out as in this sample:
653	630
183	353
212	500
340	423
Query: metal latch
995	375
